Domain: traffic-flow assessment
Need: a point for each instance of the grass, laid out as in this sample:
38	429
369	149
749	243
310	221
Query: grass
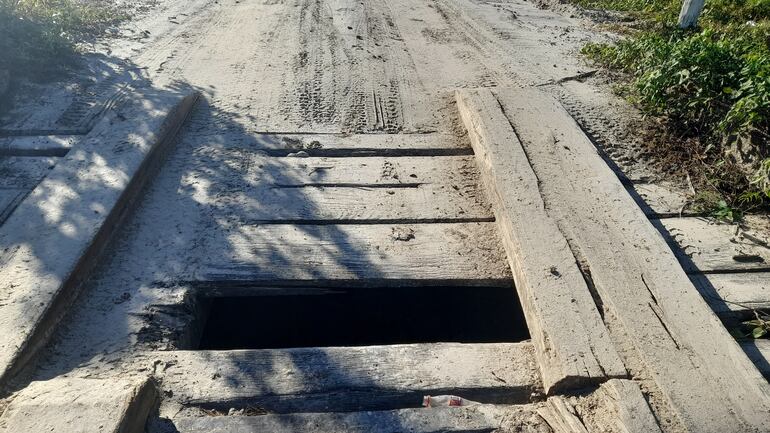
38	38
710	86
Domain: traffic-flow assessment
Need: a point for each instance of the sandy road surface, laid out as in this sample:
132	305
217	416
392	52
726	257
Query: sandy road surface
344	66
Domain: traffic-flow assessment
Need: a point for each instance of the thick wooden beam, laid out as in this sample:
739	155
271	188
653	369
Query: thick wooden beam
81	406
359	254
572	345
473	419
649	300
341	379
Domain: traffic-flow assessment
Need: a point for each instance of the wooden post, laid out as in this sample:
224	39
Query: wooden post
691	10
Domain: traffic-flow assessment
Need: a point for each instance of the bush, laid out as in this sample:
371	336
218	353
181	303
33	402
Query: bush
706	82
711	84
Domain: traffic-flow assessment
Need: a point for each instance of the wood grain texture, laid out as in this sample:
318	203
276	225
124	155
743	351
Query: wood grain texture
45	145
357	254
473	419
550	285
24	172
9	199
629	410
704	245
705	376
376	171
662	200
735	293
81	406
329	204
338	379
55	237
282	144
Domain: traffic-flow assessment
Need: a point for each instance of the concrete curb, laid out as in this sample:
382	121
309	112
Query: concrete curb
52	241
69	405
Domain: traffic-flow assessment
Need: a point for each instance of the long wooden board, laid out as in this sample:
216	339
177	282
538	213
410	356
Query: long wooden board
282	144
325	205
704	245
339	379
326	171
54	238
735	293
44	145
662	200
700	369
550	285
24	172
81	406
473	419
9	199
359	254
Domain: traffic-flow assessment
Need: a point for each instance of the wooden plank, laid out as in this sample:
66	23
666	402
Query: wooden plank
70	405
472	419
282	144
706	246
24	172
735	294
356	171
627	407
461	253
349	204
9	199
662	200
55	237
677	341
340	379
759	353
618	405
561	416
257	188
550	285
40	145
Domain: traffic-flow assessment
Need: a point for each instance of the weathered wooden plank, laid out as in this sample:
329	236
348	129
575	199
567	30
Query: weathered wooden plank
361	254
735	293
705	245
324	205
626	406
282	144
704	375
50	243
9	198
359	171
662	200
561	416
256	188
40	145
68	405
759	353
24	172
471	419
550	285
617	406
339	379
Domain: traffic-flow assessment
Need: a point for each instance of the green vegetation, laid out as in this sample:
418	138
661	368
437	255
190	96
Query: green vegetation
38	37
711	85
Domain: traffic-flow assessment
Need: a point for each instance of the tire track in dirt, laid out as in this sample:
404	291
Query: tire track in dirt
353	71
